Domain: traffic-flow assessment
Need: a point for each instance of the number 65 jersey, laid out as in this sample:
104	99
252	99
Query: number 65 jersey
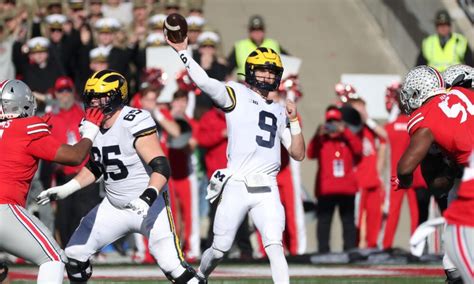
125	174
450	118
255	128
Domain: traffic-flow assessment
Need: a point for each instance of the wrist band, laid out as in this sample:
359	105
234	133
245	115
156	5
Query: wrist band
295	127
149	195
294	119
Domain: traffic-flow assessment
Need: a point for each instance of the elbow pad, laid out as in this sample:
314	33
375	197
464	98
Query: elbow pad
161	165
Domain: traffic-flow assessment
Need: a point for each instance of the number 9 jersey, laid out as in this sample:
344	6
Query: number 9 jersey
255	130
113	152
450	118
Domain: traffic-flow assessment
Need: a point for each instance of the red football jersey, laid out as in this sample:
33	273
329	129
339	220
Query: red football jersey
450	119
22	142
399	140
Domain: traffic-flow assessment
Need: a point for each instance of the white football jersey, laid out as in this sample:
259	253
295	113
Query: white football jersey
254	128
125	174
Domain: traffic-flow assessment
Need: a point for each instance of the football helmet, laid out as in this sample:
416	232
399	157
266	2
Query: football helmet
106	89
459	75
16	100
392	92
263	58
420	84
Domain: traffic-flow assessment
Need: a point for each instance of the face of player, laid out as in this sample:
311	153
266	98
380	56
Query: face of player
257	36
265	75
39	57
65	98
106	38
148	100
443	30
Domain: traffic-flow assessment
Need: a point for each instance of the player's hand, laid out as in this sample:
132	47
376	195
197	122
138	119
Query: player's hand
178	46
53	193
94	115
139	206
291	110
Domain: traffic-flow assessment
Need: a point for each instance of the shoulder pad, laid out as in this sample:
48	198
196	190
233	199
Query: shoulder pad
139	122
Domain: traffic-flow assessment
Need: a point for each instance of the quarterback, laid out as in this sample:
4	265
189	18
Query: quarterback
24	139
127	155
256	128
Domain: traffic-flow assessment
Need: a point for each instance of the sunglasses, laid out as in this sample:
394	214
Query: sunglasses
64	90
208	45
56	30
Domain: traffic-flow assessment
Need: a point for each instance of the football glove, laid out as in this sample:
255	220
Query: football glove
58	192
139	206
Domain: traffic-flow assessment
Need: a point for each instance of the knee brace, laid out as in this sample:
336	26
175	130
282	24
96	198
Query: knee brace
3	271
78	271
222	243
188	274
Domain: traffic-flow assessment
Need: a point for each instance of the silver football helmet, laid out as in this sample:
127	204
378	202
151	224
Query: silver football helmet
459	75
16	100
420	84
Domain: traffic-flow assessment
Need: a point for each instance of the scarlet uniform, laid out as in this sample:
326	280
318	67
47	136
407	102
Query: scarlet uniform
370	186
459	239
399	140
23	141
455	134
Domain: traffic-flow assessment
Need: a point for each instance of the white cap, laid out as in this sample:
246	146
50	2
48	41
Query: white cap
38	44
195	23
56	21
107	25
157	21
99	54
208	38
155	39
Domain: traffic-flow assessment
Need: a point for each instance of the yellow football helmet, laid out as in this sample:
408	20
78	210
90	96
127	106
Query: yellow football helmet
109	87
263	58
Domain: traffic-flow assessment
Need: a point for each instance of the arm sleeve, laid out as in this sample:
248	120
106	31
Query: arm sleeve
221	94
44	147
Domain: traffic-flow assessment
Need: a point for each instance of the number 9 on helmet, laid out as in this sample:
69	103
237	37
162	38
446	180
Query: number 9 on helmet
106	89
16	100
263	58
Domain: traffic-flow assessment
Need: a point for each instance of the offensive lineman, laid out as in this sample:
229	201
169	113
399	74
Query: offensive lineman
127	154
256	127
24	139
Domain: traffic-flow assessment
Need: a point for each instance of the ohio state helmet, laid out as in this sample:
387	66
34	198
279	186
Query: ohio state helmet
185	83
154	78
344	92
459	75
16	100
291	83
392	92
420	84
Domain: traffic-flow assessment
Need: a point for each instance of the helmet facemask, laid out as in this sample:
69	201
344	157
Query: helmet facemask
263	59
107	90
16	100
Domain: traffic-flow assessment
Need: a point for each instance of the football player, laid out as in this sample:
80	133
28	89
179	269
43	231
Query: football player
439	117
128	156
24	139
256	129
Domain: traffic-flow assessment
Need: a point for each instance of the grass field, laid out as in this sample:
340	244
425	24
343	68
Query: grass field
260	273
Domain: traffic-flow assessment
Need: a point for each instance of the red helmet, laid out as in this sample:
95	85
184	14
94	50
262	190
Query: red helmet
153	78
291	83
345	92
391	94
185	83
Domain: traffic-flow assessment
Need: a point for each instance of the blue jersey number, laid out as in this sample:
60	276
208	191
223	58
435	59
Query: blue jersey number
267	121
106	161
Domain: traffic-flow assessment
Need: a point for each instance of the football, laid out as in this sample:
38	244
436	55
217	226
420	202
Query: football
175	28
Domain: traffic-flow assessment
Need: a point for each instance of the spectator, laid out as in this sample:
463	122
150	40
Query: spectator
156	23
172	6
338	151
138	28
183	177
119	10
256	38
445	48
195	25
373	138
95	11
195	8
77	14
39	70
65	128
7	40
398	140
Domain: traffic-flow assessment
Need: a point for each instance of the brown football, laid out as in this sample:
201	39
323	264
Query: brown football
175	28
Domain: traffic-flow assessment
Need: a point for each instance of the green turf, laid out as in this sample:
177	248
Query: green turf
316	280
